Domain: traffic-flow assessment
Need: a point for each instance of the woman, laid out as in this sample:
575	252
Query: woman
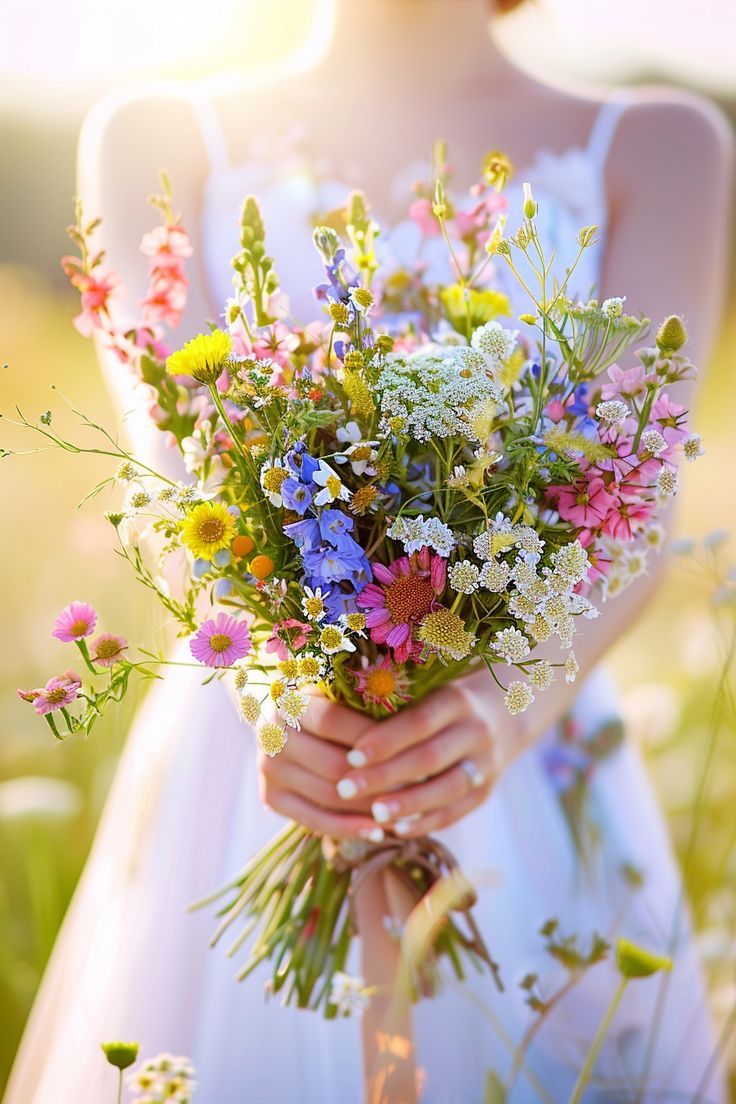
652	170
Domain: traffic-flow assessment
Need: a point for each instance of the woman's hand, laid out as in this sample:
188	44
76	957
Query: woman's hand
433	762
300	781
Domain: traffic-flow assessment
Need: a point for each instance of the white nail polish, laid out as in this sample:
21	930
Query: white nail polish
375	835
402	826
346	788
381	812
356	758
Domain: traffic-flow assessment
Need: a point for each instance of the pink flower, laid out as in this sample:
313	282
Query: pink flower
555	411
288	636
625	382
670	419
420	212
167	246
405	592
107	649
75	622
94	295
221	642
165	300
628	511
383	683
58	692
584	503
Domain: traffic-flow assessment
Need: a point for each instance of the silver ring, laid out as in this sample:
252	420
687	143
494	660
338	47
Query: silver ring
475	777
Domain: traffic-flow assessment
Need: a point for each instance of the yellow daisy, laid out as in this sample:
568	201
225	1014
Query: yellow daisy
203	357
207	529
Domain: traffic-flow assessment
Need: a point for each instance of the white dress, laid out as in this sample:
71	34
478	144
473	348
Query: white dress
184	813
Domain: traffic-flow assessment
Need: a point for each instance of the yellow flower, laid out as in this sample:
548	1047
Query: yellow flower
207	529
445	633
272	737
203	357
481	306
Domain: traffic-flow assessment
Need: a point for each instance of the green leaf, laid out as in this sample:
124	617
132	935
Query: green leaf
494	1091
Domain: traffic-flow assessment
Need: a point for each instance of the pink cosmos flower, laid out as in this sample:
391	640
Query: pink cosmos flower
420	212
75	622
628	511
625	382
221	642
288	636
383	683
58	692
584	503
404	592
107	649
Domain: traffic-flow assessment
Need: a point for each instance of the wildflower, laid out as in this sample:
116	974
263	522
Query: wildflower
362	299
139	499
415	533
518	697
355	622
277	690
626	382
459	478
667	482
165	1078
240	680
203	357
613	307
444	632
541	674
364	499
654	535
495	576
332	486
383	683
207	529
348	994
612	411
464	577
221	642
272	737
529	206
295	495
332	639
311	667
273	475
511	645
571	562
75	622
571	667
126	471
292	707
108	649
249	708
58	692
401	595
634	961
313	604
494	342
692	447
653	442
288	636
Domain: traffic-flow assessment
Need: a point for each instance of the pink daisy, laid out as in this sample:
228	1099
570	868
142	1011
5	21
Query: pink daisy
288	636
221	642
75	622
383	683
58	692
405	592
107	649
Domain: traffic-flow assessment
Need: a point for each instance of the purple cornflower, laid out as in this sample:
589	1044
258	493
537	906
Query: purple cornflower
75	622
221	642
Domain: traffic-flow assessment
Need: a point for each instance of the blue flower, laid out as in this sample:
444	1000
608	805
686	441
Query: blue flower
305	534
296	495
301	463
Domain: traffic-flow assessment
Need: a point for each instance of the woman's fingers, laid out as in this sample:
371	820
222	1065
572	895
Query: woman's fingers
379	742
287	774
322	821
440	792
334	722
320	756
427	759
441	818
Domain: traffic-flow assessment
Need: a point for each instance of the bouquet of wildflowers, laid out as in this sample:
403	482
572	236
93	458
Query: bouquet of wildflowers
380	501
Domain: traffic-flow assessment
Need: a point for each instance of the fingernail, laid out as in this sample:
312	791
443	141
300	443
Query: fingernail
346	788
375	835
401	827
357	758
384	810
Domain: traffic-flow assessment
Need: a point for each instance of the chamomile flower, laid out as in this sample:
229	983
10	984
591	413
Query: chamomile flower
274	473
311	667
333	489
332	639
272	737
313	603
445	634
292	707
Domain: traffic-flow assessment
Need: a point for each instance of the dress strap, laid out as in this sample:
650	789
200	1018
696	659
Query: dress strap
211	129
604	128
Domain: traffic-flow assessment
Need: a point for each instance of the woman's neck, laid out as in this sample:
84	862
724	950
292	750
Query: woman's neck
404	42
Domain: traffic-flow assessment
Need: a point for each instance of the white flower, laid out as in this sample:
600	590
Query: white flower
332	639
653	441
635	562
459	477
464	577
511	645
292	706
415	533
692	447
613	307
273	474
542	674
612	412
667	482
249	708
571	563
348	994
495	576
571	668
332	486
439	537
518	698
654	536
360	454
313	603
494	342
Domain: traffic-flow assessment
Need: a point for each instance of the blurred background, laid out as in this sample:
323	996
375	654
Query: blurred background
55	61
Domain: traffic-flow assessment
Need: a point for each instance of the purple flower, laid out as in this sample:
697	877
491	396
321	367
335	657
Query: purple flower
334	525
305	534
296	495
58	692
75	622
221	642
301	463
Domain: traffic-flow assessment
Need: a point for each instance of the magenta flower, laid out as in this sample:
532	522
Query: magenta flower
584	503
670	419
107	649
221	642
58	692
404	593
625	382
75	622
288	636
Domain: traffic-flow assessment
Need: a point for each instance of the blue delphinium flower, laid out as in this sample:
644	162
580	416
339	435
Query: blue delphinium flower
301	463
297	496
332	558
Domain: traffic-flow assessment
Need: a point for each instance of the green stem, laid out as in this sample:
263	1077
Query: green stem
120	1086
595	1046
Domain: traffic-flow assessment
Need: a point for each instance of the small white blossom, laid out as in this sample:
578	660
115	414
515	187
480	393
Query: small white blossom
518	698
494	342
541	674
495	576
667	482
464	577
511	645
653	441
571	668
292	706
333	488
613	306
332	639
612	412
692	447
313	603
348	994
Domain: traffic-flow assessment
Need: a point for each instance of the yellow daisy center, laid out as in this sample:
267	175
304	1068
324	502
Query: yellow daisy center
273	479
314	607
105	649
381	683
330	637
333	485
79	628
57	695
361	452
220	642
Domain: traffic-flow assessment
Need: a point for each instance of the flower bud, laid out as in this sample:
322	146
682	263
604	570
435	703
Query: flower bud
530	207
120	1055
528	319
636	962
671	335
327	242
586	236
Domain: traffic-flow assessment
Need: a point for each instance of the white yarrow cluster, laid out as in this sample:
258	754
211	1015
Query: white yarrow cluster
495	343
415	533
167	1077
464	577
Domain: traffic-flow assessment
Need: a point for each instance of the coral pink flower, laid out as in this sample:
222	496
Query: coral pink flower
420	212
670	419
166	245
288	636
165	300
383	683
625	382
628	511
405	592
95	293
221	642
584	503
107	649
58	692
75	622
